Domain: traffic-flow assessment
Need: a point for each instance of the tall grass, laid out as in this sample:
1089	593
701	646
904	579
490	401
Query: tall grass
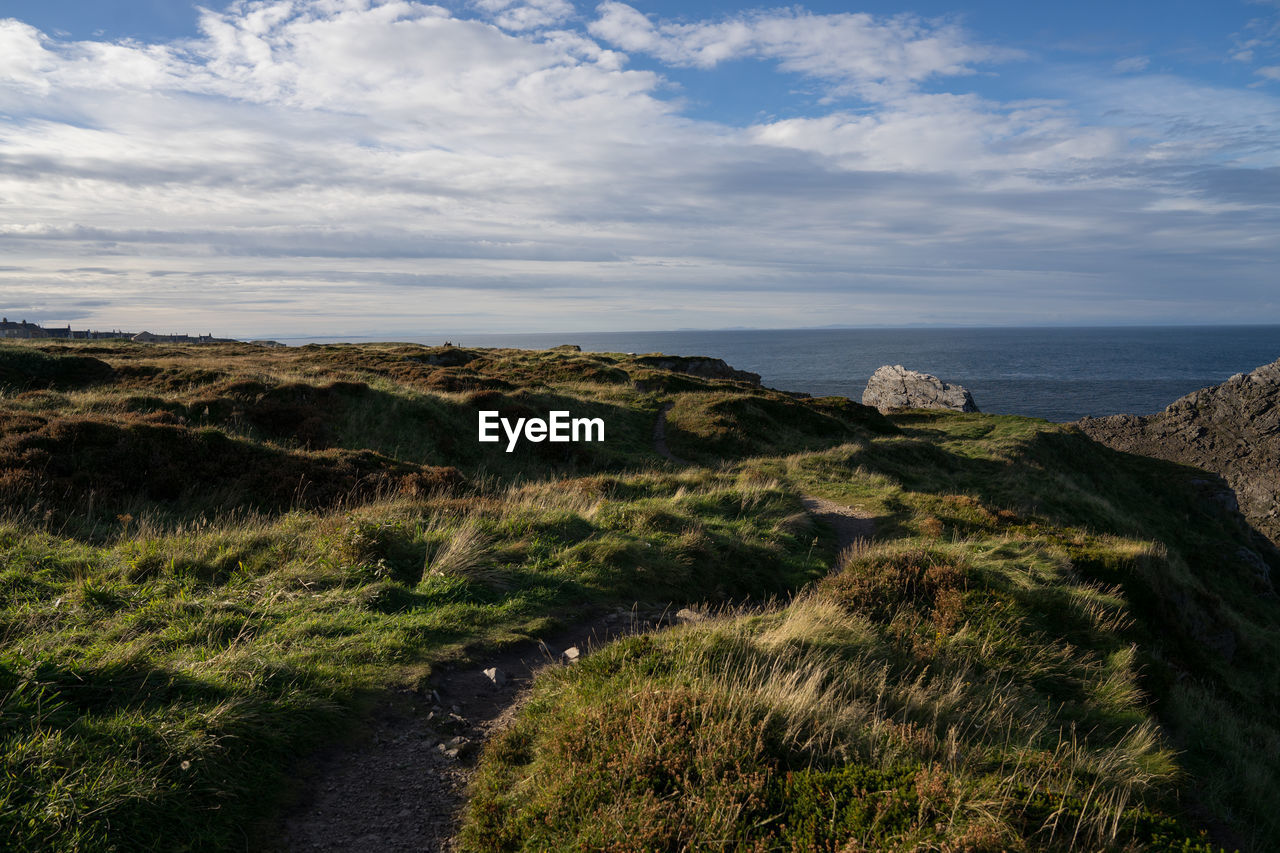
815	688
465	553
159	679
993	672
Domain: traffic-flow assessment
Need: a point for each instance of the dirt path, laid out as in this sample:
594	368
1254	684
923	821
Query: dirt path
402	787
660	436
851	525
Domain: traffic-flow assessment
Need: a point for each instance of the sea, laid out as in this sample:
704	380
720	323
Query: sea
1059	374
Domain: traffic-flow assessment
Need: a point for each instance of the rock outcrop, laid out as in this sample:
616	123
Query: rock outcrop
701	366
1232	429
894	388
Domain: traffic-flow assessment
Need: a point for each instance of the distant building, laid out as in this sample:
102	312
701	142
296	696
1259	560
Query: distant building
24	329
31	330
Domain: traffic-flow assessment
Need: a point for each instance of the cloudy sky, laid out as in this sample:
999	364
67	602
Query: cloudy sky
282	167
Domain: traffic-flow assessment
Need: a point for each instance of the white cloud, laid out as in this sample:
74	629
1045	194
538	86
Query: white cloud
952	134
1259	41
304	165
530	15
1131	65
23	58
855	53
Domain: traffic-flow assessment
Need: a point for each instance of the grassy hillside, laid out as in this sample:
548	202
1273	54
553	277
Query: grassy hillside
211	557
1051	647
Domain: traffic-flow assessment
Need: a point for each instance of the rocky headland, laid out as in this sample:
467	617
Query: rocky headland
706	368
1232	429
893	388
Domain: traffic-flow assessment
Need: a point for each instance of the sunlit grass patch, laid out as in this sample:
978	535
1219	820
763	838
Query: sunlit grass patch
809	727
257	635
987	675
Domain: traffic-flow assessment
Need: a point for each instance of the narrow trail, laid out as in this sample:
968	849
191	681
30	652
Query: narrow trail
851	525
403	786
660	436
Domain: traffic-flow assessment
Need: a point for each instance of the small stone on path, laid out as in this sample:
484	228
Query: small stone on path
687	616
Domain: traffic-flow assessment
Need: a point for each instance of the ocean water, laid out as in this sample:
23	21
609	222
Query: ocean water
1060	374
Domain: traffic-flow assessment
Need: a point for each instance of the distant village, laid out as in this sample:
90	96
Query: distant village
23	329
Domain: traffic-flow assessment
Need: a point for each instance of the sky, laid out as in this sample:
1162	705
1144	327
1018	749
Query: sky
396	168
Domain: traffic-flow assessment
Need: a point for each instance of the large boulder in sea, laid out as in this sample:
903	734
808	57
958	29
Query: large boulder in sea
1232	429
894	388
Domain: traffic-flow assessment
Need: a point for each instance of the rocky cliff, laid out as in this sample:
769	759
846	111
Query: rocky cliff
1232	429
893	388
707	368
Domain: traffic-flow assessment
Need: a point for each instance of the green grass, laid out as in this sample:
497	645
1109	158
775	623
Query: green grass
181	619
156	684
1026	660
728	424
213	558
26	368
